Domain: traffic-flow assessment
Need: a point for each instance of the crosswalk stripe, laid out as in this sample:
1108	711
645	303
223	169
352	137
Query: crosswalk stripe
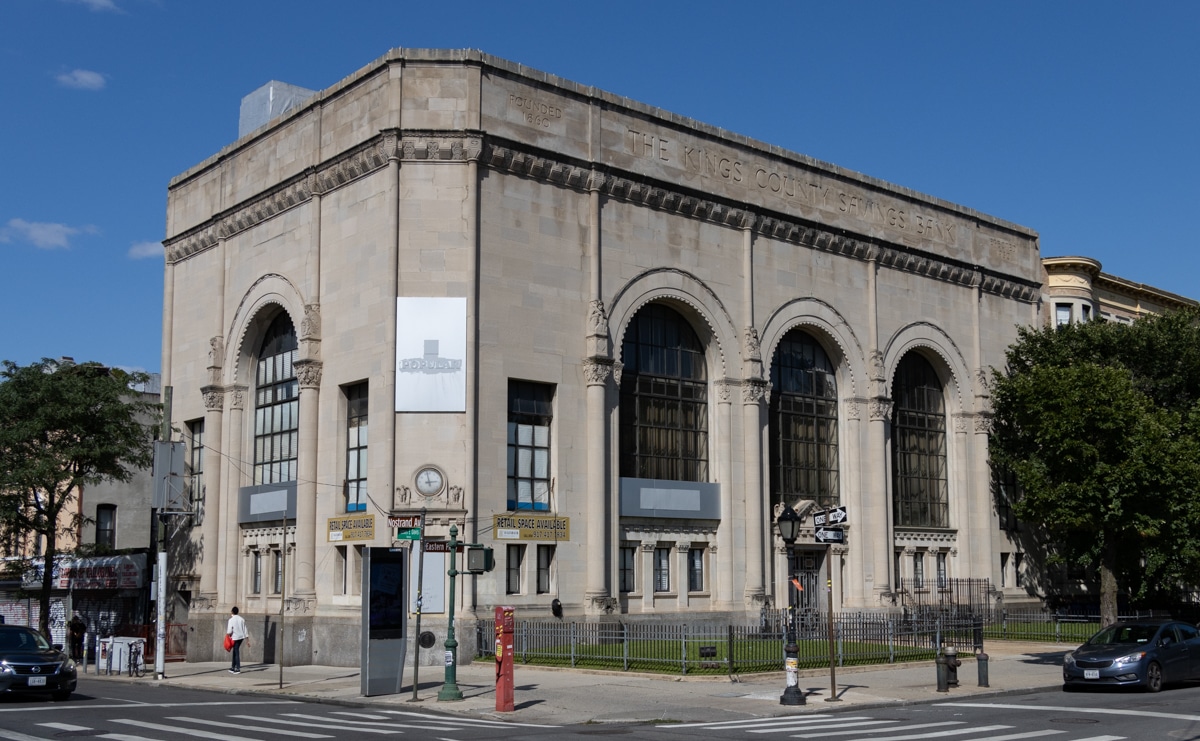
1103	738
14	736
125	737
756	722
64	727
1028	734
851	724
359	715
327	726
474	721
367	725
184	731
918	736
264	729
914	726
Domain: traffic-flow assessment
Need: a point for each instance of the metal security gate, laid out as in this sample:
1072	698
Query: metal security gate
805	567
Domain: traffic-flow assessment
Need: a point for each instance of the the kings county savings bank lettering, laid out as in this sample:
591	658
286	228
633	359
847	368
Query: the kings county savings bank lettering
531	527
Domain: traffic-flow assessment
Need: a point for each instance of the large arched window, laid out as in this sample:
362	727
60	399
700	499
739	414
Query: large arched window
804	433
919	446
276	405
664	399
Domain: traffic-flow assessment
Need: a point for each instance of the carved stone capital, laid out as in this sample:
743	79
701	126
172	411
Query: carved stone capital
852	408
309	373
596	371
880	409
596	180
648	547
616	371
983	423
237	397
214	398
753	391
961	423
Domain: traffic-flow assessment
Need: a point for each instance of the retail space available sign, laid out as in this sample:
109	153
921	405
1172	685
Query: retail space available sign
531	527
351	527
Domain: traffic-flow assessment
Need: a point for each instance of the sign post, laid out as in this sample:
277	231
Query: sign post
828	534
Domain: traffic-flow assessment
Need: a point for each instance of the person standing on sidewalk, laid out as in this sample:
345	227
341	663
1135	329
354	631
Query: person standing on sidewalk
236	630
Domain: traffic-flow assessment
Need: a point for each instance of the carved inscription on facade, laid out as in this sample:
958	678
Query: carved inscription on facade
532	111
715	162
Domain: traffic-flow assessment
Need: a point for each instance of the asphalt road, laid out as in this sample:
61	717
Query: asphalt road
136	712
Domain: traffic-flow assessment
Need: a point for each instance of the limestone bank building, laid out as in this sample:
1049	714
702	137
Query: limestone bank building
609	341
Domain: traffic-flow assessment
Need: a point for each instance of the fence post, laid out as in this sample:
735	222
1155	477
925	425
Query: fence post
841	649
524	641
891	634
729	650
683	634
572	639
625	645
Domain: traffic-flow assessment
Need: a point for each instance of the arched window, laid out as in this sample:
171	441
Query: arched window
919	446
276	405
804	433
664	399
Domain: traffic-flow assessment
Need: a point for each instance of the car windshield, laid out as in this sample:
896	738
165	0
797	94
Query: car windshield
22	639
1122	634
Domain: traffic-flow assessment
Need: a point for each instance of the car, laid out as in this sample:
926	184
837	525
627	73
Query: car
30	665
1136	653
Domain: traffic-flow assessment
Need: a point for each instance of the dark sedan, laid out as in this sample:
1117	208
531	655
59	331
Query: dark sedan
1145	654
30	665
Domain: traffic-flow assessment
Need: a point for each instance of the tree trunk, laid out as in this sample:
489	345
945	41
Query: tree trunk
47	582
1108	584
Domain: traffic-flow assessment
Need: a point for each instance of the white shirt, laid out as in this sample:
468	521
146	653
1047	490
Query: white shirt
237	628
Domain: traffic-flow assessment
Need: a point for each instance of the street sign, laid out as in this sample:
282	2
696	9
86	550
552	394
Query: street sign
409	533
833	516
404	522
830	535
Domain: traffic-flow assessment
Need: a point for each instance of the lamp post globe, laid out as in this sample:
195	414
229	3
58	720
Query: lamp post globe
788	524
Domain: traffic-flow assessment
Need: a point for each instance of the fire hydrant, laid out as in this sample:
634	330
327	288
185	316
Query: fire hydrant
952	664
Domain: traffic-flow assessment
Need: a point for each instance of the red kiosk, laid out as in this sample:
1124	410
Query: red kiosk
505	627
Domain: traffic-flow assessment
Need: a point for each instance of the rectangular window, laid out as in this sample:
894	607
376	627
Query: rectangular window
255	572
530	411
662	569
277	585
340	573
628	569
942	581
695	569
1003	570
1018	570
106	525
896	567
356	570
918	570
356	447
516	556
1086	311
1062	315
195	467
545	556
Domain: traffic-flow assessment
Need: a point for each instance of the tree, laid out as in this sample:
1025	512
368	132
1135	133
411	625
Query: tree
1098	424
64	426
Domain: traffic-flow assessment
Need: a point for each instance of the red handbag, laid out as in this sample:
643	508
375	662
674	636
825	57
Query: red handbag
228	642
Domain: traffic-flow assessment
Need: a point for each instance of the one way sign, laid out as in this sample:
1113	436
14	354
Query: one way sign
834	516
830	535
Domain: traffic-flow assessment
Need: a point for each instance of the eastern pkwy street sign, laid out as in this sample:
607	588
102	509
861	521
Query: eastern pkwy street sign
830	535
832	516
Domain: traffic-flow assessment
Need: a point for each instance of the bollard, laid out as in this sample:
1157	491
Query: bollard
952	664
981	662
943	676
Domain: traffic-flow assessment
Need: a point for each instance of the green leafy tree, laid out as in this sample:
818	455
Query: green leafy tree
64	426
1098	424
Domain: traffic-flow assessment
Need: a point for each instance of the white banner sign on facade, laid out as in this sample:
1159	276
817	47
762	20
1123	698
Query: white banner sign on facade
431	354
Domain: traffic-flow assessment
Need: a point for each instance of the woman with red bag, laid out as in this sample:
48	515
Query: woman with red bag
235	633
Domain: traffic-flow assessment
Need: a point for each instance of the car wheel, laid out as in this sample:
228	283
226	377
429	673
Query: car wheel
61	695
1154	677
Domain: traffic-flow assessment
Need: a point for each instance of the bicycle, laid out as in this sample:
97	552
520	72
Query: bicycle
137	667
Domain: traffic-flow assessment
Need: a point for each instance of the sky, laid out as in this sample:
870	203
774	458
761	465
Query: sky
1075	119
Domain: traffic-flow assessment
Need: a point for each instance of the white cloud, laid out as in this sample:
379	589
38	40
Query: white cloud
143	250
100	5
43	235
82	79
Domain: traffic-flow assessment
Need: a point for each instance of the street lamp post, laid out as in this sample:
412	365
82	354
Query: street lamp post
450	690
789	527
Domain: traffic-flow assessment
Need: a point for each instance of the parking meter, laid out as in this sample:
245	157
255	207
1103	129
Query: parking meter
505	627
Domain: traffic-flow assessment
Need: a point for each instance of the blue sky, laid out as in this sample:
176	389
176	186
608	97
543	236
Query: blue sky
1076	119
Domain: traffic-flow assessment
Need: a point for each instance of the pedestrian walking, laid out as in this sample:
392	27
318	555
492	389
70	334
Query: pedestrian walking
236	630
77	628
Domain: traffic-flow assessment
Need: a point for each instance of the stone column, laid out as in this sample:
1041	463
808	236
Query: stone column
753	392
309	374
230	532
596	592
210	504
877	517
647	553
724	566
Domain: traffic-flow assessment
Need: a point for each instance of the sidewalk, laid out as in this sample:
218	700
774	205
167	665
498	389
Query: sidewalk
567	696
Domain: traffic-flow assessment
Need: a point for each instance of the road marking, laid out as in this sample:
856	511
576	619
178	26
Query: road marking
915	726
477	721
1065	709
910	737
184	731
219	724
764	723
359	715
360	729
65	727
14	736
1028	734
851	724
127	737
60	707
